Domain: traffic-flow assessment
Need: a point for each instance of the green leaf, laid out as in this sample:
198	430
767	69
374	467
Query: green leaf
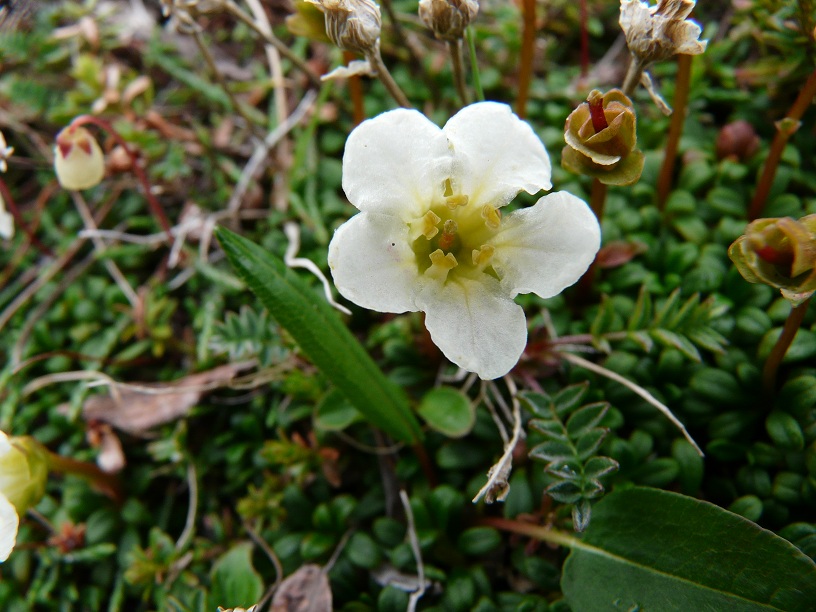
335	412
322	337
587	417
654	550
234	580
448	411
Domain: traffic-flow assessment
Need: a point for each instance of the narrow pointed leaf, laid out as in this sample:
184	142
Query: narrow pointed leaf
322	337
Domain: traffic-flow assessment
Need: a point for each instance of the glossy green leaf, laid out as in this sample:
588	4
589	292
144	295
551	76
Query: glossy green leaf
322	337
235	582
335	412
653	550
448	411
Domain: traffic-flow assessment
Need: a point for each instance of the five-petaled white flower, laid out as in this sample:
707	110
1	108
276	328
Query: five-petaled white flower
431	235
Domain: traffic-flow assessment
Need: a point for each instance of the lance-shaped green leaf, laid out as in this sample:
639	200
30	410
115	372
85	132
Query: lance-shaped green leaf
322	337
648	549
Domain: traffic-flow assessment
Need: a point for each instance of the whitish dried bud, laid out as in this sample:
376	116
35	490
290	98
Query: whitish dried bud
655	33
352	25
78	160
448	18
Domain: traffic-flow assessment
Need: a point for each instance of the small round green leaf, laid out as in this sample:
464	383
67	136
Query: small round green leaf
335	412
448	411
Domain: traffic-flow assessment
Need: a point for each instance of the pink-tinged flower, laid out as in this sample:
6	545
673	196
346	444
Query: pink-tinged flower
78	160
431	235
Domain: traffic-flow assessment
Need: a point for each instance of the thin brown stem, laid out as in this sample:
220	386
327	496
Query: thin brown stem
455	49
546	534
784	131
141	175
597	202
789	330
681	93
528	8
633	75
355	87
387	80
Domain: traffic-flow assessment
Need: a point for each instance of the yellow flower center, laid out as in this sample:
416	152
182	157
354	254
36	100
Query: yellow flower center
452	237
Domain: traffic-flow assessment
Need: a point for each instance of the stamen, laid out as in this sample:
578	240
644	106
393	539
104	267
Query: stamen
425	226
482	256
454	201
492	216
441	264
448	234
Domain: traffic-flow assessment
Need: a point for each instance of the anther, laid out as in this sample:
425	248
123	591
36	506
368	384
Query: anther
482	256
441	264
455	201
492	216
425	226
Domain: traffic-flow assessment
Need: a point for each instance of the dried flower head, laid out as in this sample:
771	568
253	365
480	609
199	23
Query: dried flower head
601	137
448	18
78	160
352	25
780	253
655	33
23	472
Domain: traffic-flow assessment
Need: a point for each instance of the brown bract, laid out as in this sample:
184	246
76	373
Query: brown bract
780	253
448	18
608	154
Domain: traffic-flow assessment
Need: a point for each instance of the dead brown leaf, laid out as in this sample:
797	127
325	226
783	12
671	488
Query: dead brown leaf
307	590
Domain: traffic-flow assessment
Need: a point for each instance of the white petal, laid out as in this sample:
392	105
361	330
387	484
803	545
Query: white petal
396	163
9	523
497	155
372	263
6	224
546	248
475	325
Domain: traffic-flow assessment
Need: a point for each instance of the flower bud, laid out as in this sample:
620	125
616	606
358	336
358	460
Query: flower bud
656	33
601	137
23	473
448	18
737	141
780	253
78	160
352	25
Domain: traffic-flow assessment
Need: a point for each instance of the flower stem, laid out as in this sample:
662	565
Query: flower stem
633	75
597	202
546	534
582	5
784	131
356	92
104	482
455	48
141	176
18	219
474	64
789	330
528	8
681	93
390	84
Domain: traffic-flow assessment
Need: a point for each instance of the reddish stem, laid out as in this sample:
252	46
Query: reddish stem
18	219
104	482
355	92
141	176
528	8
681	92
584	38
778	145
789	331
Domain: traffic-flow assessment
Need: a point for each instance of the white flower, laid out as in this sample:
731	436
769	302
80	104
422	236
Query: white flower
23	472
78	160
655	33
5	153
431	235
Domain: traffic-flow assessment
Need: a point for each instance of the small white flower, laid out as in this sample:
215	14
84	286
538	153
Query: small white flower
78	160
655	33
431	235
5	153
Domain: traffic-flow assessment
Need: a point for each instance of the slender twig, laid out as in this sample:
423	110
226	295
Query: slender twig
633	74
273	558
455	49
546	534
18	219
271	39
681	94
528	9
413	539
584	16
375	59
474	64
784	131
789	331
141	175
192	508
635	388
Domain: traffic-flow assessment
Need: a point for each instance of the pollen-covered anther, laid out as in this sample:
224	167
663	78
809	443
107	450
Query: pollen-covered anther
425	226
441	264
482	256
492	216
455	201
448	234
